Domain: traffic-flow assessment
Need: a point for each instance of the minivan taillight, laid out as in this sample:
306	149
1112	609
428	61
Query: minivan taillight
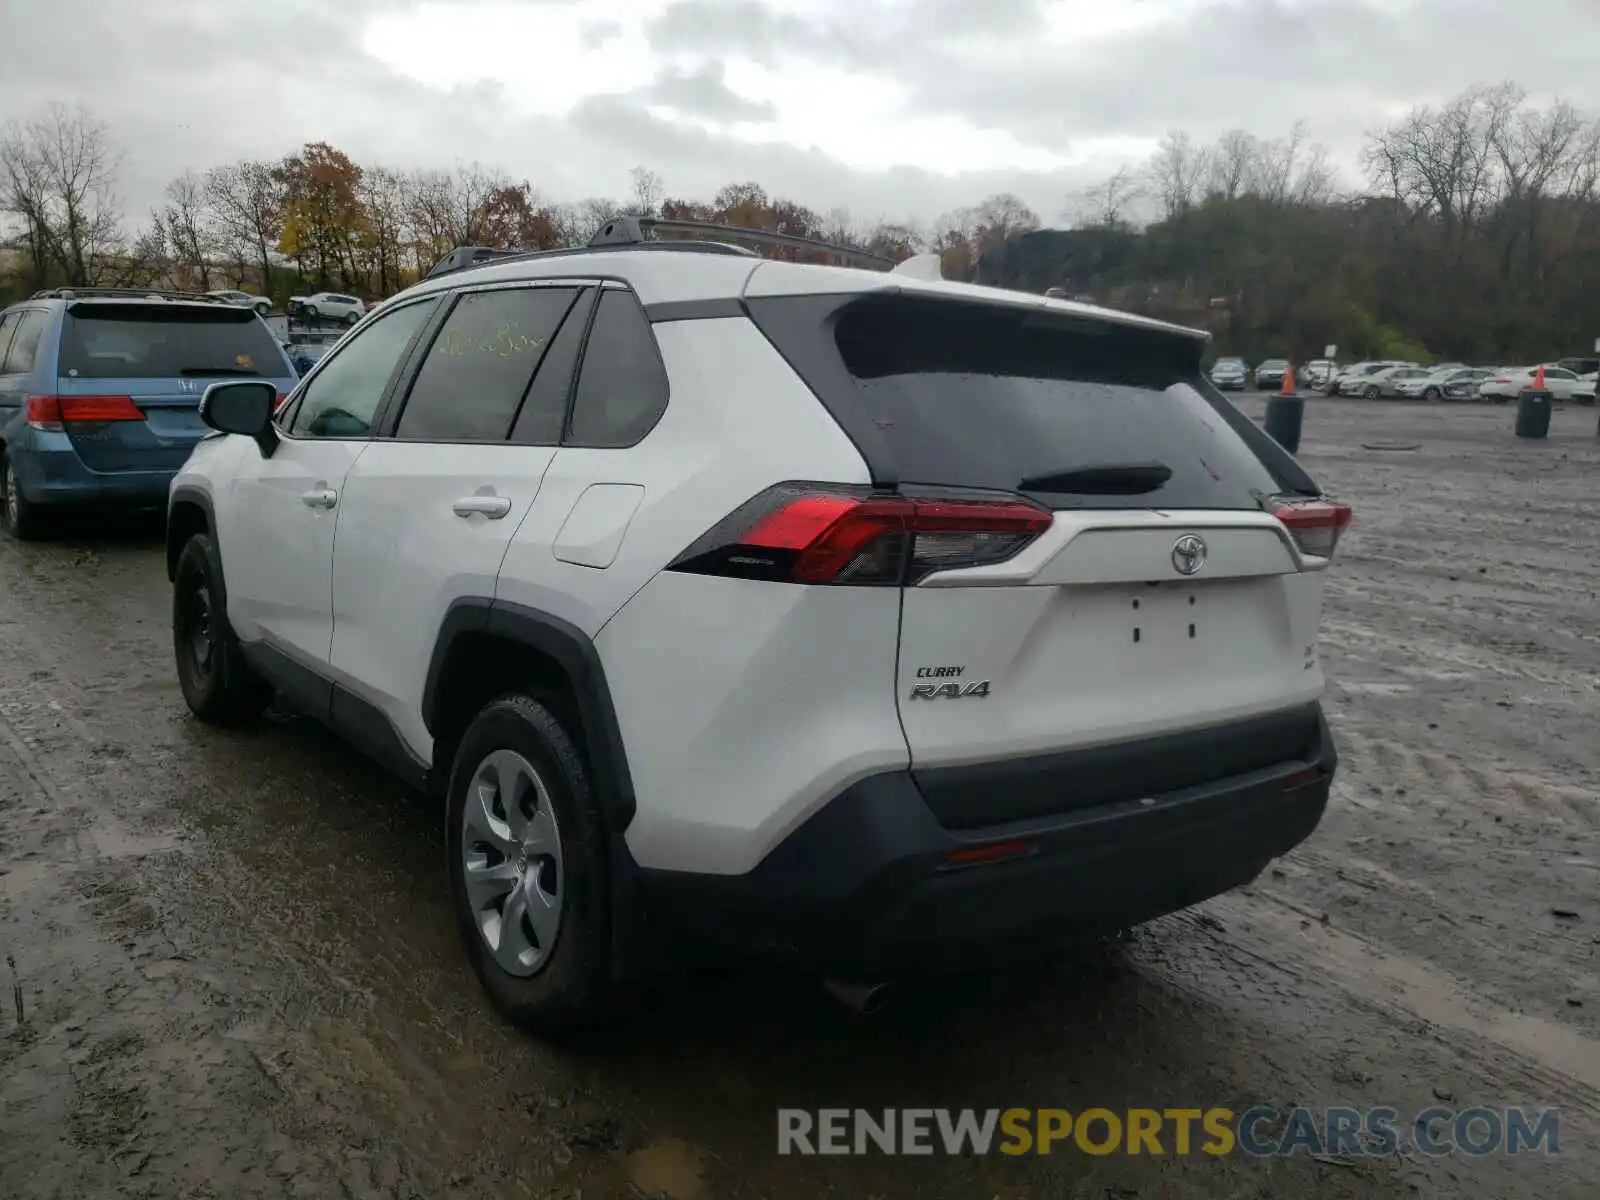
830	534
1315	525
49	412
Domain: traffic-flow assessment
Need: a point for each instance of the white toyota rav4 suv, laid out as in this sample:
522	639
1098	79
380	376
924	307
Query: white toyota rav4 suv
855	620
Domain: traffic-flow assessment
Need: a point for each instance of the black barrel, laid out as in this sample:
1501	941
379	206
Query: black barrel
1533	414
1284	417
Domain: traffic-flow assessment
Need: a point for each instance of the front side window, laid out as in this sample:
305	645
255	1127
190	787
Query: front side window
342	399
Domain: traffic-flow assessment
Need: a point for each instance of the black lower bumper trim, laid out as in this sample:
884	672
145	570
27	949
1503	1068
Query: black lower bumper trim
866	884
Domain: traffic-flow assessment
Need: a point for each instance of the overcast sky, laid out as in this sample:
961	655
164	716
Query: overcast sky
891	108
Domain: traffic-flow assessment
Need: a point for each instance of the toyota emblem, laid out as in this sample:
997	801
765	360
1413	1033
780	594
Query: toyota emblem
1188	554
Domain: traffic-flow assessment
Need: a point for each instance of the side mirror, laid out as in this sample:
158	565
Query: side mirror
243	407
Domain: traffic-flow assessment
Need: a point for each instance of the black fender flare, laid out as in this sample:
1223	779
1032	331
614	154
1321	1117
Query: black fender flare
575	651
193	495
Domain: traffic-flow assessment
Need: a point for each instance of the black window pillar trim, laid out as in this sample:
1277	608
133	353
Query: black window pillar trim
575	652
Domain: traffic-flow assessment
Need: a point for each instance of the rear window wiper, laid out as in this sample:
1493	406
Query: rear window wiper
188	371
1101	479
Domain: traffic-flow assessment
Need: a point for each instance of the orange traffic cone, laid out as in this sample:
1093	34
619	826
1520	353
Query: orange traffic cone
1538	378
1288	388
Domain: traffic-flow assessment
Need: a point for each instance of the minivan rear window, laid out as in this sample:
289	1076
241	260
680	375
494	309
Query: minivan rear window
988	396
150	341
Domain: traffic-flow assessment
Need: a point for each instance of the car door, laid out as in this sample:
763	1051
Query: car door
277	543
429	509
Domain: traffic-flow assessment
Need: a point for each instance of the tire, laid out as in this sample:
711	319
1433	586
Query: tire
19	516
559	982
218	685
310	313
1370	391
263	309
352	318
1432	395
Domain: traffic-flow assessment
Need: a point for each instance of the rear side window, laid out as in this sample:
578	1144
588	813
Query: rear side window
126	341
622	388
983	396
544	410
481	364
24	350
8	326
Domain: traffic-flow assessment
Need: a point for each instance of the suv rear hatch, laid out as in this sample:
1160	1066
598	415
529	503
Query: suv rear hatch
1155	596
131	375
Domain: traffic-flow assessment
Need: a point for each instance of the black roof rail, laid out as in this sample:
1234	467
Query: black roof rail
635	233
122	293
631	231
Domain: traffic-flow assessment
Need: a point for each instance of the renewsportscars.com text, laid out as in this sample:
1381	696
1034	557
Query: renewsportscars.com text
1259	1132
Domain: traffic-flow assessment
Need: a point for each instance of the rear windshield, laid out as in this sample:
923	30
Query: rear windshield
985	396
132	341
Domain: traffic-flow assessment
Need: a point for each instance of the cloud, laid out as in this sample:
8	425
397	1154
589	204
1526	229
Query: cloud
892	107
702	92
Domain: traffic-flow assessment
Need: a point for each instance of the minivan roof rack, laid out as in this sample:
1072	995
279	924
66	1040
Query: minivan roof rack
122	293
636	233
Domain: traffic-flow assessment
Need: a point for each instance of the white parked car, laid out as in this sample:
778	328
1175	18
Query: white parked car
1510	382
329	306
244	300
1584	392
862	621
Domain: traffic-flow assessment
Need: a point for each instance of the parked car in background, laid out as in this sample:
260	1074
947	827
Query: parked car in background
1230	374
1401	383
100	393
1431	383
328	306
1269	373
1579	366
1584	392
1317	373
1348	381
244	300
1510	382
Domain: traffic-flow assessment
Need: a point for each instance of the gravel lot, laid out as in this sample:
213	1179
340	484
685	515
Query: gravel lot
235	975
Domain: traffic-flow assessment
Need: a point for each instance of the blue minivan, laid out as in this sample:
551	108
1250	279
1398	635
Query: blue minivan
100	393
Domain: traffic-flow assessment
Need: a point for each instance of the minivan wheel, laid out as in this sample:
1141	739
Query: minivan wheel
528	867
218	684
19	516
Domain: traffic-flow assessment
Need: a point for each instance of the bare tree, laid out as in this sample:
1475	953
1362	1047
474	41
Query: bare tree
246	201
1107	205
1232	164
648	189
1177	172
60	174
184	222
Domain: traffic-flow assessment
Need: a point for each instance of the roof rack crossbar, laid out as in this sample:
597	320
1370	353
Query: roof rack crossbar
124	293
630	231
638	233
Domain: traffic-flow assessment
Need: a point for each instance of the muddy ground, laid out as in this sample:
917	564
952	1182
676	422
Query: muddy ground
235	974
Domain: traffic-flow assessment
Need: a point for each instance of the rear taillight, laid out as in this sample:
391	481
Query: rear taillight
277	405
820	533
50	412
1315	525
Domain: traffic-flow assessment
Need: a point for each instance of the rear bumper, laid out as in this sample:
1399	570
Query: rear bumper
866	886
54	474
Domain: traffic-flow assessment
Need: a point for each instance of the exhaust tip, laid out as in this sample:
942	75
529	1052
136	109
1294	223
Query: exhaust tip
863	998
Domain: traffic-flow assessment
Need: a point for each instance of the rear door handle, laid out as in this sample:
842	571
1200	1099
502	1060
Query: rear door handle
320	498
493	507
